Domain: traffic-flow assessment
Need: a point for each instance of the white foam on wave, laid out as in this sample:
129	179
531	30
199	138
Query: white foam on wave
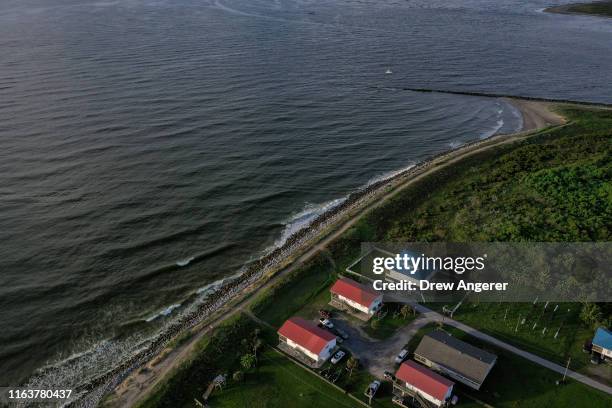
455	144
304	218
213	286
185	262
165	312
389	174
490	132
519	117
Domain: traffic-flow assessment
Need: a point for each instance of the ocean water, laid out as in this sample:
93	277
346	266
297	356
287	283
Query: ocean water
149	149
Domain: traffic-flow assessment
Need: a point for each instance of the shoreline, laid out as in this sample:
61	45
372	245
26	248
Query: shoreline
568	9
128	384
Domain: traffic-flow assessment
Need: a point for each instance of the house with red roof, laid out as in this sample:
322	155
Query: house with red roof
304	338
360	299
414	381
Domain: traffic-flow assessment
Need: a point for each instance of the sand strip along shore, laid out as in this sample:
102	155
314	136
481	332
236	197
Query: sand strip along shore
132	384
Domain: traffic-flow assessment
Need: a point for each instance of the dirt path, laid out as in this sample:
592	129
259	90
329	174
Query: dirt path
141	382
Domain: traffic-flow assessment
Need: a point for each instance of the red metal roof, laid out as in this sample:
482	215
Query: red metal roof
424	379
364	295
306	334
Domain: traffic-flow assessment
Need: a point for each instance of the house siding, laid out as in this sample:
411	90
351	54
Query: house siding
322	356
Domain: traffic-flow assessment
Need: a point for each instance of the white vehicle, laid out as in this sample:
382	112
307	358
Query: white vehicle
326	322
372	388
338	356
401	356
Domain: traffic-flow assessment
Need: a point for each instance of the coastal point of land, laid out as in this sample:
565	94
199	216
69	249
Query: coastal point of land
599	8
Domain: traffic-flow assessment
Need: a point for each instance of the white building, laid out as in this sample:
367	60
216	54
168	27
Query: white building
356	296
412	380
304	336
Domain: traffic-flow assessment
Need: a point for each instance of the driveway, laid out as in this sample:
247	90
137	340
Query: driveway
378	356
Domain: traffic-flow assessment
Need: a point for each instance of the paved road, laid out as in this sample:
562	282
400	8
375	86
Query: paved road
431	315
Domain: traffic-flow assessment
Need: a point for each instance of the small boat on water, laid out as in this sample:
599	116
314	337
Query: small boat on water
388	71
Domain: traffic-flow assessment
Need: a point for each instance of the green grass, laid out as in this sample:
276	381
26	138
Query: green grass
516	382
504	321
388	325
602	8
307	286
278	382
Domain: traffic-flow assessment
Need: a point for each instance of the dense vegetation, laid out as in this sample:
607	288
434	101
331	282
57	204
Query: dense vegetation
603	8
554	187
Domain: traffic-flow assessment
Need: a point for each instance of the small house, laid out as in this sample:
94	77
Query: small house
602	343
415	381
307	339
454	358
360	299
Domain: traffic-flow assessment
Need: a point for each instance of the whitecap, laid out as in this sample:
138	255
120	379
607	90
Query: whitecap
165	312
185	262
304	218
388	175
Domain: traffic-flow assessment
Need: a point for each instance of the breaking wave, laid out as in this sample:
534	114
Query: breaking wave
185	262
165	312
304	218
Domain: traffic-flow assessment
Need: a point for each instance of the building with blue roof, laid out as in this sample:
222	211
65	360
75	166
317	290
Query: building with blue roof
602	343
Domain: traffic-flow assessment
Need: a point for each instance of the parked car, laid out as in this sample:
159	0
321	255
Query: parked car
338	356
372	388
388	375
326	322
401	356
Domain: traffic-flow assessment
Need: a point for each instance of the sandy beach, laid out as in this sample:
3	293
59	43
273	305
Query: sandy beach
135	383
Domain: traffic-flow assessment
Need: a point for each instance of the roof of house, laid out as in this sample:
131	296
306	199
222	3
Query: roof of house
459	356
603	338
424	379
306	334
355	291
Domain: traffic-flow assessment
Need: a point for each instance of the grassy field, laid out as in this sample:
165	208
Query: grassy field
505	321
306	288
278	382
